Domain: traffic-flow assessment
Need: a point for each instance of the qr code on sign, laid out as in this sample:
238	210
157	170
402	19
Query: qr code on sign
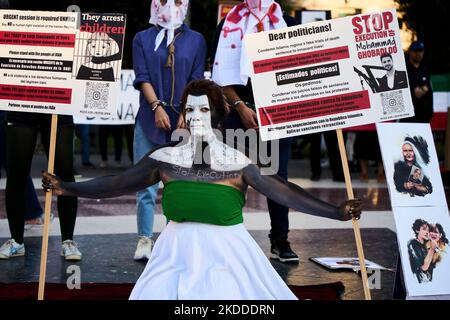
392	102
96	95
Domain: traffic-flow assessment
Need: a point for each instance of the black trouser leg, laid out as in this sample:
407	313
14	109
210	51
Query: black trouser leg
118	142
67	206
334	154
279	214
129	135
314	153
103	133
21	141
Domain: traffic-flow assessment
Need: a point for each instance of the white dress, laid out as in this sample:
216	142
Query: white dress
198	261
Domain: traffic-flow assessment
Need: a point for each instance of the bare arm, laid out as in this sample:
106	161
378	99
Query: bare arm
429	257
162	120
292	196
143	174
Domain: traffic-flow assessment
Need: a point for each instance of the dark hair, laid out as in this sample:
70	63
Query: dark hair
215	97
417	224
438	227
385	55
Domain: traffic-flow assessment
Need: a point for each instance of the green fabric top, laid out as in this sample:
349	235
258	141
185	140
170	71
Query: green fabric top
204	202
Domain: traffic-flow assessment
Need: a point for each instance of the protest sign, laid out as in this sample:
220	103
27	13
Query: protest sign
419	205
422	237
50	65
59	63
126	108
328	75
411	164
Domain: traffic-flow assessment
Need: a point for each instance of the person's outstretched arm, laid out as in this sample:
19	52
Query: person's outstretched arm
292	196
143	174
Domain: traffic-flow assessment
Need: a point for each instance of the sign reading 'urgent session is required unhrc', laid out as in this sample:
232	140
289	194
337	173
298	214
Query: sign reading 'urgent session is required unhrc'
60	62
328	75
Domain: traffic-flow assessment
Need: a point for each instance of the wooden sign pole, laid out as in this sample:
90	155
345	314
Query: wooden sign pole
348	185
48	205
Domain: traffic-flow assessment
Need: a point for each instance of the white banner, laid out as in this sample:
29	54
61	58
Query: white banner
328	75
422	233
409	155
49	65
419	205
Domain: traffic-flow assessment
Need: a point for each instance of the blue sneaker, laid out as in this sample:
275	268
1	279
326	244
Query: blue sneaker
11	249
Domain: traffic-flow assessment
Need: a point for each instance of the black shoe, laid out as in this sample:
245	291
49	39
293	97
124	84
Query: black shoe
89	165
76	174
282	251
315	177
339	179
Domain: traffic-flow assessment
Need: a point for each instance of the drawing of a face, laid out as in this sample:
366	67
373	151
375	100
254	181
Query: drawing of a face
435	234
417	174
424	233
387	63
198	115
99	48
408	152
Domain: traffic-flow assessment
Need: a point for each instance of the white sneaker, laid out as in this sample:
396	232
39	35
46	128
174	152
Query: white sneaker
69	250
143	249
38	222
11	249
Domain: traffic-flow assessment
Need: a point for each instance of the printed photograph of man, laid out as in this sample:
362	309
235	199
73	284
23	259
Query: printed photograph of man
393	79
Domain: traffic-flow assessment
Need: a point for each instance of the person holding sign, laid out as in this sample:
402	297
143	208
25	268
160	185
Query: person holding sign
205	252
166	57
230	70
22	129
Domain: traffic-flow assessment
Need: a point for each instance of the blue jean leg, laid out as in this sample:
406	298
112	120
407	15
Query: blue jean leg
145	199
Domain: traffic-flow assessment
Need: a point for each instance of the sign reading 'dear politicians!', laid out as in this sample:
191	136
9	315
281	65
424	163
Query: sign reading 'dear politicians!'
60	62
328	75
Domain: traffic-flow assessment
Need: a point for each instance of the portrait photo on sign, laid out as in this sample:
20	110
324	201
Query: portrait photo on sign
411	164
424	246
382	75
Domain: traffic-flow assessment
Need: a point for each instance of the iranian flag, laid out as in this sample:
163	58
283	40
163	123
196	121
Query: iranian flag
441	100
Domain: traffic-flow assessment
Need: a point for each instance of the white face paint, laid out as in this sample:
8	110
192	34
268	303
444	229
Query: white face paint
198	116
198	121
